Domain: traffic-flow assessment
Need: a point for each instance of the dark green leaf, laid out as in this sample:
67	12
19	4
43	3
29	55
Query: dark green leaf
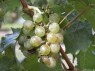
8	61
86	59
31	64
78	37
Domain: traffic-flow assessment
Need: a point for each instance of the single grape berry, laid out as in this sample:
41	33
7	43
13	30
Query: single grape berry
35	41
28	24
60	37
37	17
26	32
54	27
44	50
51	38
55	47
52	62
54	18
22	39
45	59
40	31
27	45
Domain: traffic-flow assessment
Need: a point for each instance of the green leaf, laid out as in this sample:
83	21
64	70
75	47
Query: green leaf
31	64
86	59
8	61
78	37
9	39
12	4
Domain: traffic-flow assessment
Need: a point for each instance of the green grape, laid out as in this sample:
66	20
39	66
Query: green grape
60	37
45	59
54	18
44	50
27	45
26	32
52	62
51	38
35	41
22	39
55	47
40	31
37	17
54	27
28	25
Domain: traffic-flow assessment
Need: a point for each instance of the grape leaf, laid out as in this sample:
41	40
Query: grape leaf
11	4
78	37
9	39
86	59
8	60
31	64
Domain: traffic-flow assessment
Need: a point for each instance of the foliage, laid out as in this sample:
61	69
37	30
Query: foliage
77	37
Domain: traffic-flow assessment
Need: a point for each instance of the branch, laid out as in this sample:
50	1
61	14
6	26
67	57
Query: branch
26	9
81	13
71	67
65	69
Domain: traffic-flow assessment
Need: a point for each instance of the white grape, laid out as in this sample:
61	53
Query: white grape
40	31
54	27
35	41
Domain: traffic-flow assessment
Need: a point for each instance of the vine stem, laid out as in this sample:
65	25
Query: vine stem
26	9
66	16
81	13
71	67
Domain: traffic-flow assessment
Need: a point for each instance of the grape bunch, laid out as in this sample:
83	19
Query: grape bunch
45	39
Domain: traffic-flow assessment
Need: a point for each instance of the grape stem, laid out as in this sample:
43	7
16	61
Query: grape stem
71	67
26	9
66	16
71	22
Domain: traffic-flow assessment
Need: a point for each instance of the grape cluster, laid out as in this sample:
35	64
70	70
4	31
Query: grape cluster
45	39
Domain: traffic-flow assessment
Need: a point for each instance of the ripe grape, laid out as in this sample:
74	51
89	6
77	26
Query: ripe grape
37	17
52	62
44	50
55	47
35	41
40	31
52	38
45	59
28	25
60	37
54	27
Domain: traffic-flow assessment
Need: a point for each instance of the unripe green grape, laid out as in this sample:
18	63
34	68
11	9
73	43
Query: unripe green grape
35	41
44	50
37	17
45	59
54	27
40	31
55	47
60	37
51	38
27	45
52	62
26	32
22	39
54	18
28	24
